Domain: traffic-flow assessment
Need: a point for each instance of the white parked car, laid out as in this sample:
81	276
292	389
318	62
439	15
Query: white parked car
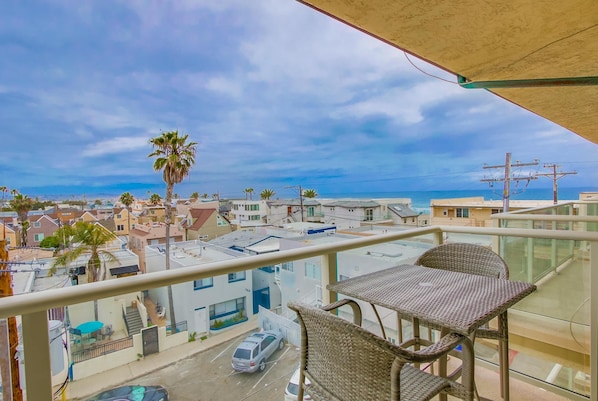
290	393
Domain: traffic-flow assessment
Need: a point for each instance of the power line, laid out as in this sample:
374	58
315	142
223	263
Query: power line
555	176
509	177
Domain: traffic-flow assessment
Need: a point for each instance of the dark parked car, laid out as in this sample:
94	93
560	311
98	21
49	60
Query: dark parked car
255	350
132	393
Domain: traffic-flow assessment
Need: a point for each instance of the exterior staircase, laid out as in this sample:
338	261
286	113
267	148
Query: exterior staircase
133	319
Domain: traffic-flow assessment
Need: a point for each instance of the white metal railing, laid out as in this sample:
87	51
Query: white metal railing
33	307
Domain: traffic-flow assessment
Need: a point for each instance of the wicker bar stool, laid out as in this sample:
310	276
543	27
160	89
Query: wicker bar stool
345	362
471	259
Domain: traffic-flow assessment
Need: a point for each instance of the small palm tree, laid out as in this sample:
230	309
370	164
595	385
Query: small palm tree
155	199
22	204
266	194
195	196
174	156
310	193
127	199
204	196
90	239
4	190
248	191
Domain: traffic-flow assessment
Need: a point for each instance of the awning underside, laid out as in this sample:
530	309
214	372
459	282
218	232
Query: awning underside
499	41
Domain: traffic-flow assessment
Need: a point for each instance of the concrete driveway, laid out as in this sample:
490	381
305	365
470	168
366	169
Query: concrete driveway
208	376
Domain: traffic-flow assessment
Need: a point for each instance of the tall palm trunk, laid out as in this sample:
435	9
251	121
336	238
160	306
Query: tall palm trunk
167	220
129	227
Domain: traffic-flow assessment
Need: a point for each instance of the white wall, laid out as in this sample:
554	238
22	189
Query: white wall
187	299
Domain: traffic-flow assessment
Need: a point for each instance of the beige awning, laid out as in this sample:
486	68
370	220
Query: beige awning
508	42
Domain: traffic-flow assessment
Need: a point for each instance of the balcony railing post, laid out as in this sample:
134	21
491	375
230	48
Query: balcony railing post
36	346
530	255
594	321
438	238
329	275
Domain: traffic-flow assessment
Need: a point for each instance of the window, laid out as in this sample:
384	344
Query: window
462	212
37	224
494	211
118	216
267	341
38	237
232	277
288	266
256	217
310	211
120	227
227	308
203	283
369	214
267	269
313	271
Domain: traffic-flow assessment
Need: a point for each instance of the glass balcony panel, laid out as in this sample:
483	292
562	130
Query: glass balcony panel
550	329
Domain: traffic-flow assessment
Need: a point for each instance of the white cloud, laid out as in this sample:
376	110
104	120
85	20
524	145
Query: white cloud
116	145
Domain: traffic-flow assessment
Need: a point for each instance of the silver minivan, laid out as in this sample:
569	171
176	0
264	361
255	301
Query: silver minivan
253	353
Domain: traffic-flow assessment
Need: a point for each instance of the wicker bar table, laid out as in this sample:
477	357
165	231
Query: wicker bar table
458	302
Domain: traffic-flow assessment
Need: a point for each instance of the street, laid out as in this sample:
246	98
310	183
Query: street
208	376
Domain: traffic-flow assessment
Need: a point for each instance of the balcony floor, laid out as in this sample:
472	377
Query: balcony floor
488	386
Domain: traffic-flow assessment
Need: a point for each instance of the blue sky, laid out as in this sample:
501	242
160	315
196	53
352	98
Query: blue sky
275	94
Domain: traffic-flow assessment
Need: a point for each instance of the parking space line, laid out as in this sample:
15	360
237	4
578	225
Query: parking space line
220	354
267	371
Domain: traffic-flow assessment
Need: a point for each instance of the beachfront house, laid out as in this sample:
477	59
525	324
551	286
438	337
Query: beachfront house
475	211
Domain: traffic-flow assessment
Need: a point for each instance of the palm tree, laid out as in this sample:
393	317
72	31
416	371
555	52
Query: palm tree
22	204
155	199
195	196
216	196
127	199
90	239
266	194
4	190
310	193
175	157
204	195
248	191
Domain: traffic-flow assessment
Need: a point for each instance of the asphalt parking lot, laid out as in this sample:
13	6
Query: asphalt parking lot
208	376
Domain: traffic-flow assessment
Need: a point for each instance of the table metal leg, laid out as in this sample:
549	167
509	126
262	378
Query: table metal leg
503	355
442	365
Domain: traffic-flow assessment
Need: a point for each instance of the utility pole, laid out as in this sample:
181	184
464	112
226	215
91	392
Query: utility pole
9	339
300	197
509	177
555	176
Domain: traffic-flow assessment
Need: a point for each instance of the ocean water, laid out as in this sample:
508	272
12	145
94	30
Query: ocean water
420	200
